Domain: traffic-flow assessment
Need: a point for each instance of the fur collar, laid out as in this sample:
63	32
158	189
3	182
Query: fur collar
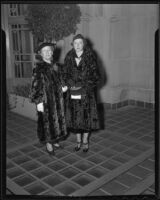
86	53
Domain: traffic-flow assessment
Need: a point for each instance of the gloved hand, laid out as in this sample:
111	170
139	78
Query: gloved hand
64	89
40	107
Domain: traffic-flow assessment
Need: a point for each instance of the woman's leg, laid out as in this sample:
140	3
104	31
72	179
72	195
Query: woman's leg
57	145
85	142
50	148
40	128
77	148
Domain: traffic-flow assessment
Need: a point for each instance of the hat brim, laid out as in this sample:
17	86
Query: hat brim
44	45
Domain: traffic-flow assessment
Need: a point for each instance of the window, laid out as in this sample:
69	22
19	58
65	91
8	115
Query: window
21	48
21	42
16	10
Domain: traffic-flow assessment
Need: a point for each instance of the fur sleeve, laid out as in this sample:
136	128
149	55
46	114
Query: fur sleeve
37	85
92	76
67	70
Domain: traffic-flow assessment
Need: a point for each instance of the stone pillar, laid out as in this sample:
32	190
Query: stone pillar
9	67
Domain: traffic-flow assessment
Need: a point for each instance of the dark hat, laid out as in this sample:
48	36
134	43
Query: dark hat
45	44
78	36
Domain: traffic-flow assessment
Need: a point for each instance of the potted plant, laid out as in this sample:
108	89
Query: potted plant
20	103
52	22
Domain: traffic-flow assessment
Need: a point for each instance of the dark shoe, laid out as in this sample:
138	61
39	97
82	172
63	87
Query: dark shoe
51	153
86	148
78	147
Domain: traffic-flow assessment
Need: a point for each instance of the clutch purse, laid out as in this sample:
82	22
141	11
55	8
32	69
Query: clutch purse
75	96
77	93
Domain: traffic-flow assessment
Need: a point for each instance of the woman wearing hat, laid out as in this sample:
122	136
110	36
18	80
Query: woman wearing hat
81	77
47	94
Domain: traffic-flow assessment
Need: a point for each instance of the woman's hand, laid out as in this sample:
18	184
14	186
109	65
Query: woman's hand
64	89
40	107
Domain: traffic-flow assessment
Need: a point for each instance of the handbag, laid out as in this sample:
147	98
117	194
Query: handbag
77	93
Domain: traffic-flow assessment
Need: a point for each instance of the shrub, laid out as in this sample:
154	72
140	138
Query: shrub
52	22
22	90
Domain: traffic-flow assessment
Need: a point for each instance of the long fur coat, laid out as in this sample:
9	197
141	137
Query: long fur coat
82	114
47	88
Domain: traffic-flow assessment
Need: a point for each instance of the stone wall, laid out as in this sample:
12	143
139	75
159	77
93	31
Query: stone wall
122	36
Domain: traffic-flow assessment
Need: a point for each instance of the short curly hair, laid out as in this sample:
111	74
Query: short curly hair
79	36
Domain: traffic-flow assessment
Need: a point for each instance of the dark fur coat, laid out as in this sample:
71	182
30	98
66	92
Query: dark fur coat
47	88
81	115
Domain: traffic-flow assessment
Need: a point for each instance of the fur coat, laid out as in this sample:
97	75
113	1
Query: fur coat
81	114
47	88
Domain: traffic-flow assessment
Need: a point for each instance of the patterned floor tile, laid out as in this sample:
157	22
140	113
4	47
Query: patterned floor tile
140	172
24	180
66	188
148	164
15	172
29	166
96	159
129	133
36	188
83	180
115	188
98	193
97	172
53	180
57	165
110	165
42	172
128	180
83	165
71	159
69	172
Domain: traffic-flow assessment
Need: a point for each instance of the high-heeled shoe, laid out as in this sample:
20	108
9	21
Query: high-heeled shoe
86	148
78	147
51	153
57	146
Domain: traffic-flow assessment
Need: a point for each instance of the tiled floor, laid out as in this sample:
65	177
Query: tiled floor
120	160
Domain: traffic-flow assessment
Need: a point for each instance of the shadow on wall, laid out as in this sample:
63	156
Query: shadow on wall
103	81
57	53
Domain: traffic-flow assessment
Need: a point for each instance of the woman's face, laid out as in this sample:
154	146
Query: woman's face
78	45
46	53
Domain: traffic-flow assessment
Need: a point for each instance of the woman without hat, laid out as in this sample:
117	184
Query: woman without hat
47	94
